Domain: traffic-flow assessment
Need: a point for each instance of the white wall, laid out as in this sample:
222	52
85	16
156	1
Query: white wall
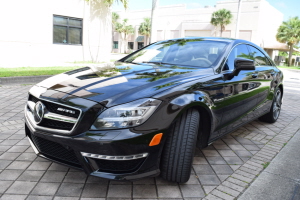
258	20
26	36
269	21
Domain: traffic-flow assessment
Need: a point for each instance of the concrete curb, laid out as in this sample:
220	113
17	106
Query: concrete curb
22	79
281	178
242	178
291	70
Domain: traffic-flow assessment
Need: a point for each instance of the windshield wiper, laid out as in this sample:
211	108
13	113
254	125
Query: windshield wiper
130	62
157	62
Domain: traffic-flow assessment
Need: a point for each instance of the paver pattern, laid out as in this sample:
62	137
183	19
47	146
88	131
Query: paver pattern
223	170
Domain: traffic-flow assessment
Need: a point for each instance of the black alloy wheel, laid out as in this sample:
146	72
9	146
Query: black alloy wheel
274	113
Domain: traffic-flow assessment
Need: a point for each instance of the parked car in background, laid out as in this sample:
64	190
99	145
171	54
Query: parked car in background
146	114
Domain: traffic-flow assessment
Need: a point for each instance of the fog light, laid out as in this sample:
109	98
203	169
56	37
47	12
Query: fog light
105	157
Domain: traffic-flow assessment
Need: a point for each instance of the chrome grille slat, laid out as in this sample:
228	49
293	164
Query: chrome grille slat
61	118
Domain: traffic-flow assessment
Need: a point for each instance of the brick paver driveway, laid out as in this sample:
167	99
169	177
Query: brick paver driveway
221	171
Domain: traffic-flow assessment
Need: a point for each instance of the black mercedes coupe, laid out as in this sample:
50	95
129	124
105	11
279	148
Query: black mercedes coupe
145	114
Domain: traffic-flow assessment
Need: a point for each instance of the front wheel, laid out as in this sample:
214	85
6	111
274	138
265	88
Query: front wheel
273	115
178	153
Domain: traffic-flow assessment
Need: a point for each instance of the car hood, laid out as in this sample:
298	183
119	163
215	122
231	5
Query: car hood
112	84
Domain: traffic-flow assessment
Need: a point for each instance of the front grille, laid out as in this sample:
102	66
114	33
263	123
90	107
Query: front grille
119	166
55	151
49	123
52	107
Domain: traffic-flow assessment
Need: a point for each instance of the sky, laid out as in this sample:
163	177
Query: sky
289	8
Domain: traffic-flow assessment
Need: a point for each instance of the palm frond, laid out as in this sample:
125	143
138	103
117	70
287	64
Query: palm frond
109	3
289	31
221	18
145	27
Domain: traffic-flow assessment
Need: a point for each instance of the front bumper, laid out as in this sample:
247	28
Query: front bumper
69	150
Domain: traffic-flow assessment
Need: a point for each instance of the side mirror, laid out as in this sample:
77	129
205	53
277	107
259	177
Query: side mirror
244	64
240	64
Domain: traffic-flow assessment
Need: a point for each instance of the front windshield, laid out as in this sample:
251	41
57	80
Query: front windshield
190	52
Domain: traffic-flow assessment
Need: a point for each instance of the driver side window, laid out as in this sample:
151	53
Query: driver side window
240	51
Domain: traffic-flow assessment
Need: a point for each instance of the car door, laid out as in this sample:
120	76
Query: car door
240	91
265	75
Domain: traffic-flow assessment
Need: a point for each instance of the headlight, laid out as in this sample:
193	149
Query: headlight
126	115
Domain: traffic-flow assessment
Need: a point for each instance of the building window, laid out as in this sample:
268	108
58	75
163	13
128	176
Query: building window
140	45
130	45
67	30
115	45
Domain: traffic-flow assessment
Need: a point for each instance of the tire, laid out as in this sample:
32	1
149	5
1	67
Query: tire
273	115
178	152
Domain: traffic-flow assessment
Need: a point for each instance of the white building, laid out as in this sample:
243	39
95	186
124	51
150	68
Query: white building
258	23
35	32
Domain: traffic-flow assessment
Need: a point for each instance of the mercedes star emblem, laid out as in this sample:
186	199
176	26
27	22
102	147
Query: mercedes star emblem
38	112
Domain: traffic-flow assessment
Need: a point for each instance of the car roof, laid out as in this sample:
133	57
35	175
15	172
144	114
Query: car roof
229	40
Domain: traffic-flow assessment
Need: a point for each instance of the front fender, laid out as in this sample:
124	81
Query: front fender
197	99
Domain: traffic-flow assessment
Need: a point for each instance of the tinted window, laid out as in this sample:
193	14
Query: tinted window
258	57
240	51
115	45
140	45
191	52
67	30
130	45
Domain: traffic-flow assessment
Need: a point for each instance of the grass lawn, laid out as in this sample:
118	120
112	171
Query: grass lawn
90	62
292	67
34	71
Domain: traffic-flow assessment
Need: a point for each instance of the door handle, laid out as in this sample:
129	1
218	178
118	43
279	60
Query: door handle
254	75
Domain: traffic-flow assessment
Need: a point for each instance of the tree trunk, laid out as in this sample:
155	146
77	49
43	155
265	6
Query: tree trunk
123	46
120	46
126	46
122	43
290	55
221	29
112	39
153	13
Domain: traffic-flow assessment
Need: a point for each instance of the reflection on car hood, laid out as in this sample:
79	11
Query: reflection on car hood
111	84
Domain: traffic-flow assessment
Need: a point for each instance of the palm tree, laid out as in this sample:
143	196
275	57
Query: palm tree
115	17
145	28
124	30
221	18
109	3
289	33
